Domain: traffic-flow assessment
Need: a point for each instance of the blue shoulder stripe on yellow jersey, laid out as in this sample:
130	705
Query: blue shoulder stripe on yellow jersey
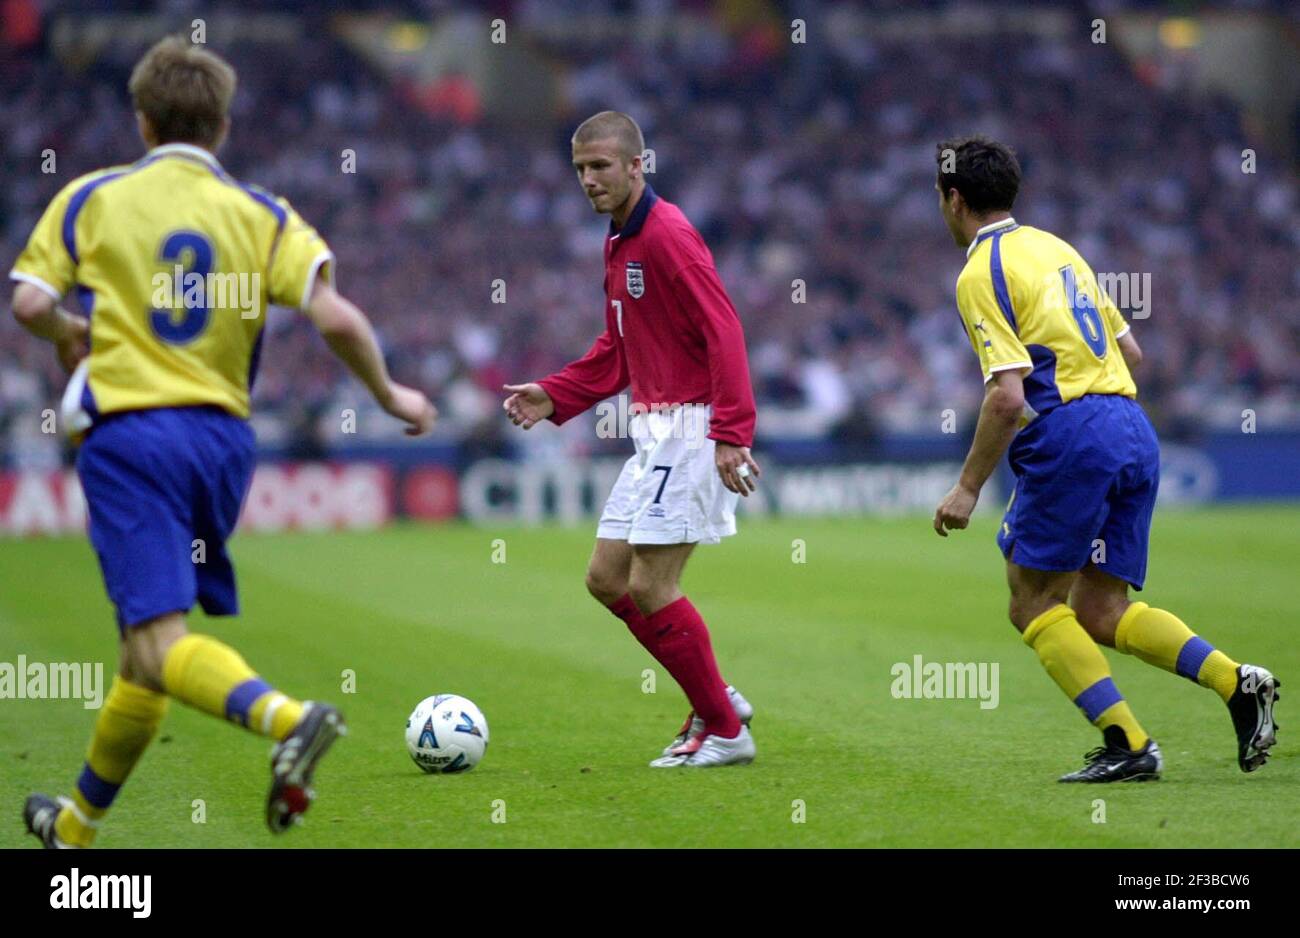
175	263
266	200
281	216
999	277
75	206
1031	304
259	196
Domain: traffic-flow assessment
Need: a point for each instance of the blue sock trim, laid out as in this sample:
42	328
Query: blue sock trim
1192	656
242	698
94	789
1097	699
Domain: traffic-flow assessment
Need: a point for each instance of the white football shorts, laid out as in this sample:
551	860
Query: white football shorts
670	491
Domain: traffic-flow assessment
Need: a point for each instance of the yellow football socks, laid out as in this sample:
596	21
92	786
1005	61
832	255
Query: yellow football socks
198	670
1164	640
213	677
127	722
1079	668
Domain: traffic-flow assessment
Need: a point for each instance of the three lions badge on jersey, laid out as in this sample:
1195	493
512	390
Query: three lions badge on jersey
635	280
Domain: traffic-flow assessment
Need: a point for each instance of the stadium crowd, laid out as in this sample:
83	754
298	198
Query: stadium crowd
809	173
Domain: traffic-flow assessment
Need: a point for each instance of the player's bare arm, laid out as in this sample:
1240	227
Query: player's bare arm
349	335
1130	349
39	313
1004	401
527	405
737	468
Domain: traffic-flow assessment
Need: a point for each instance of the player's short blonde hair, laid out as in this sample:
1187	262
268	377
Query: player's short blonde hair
184	90
613	125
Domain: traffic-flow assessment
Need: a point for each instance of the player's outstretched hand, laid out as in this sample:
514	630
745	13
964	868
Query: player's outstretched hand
411	406
737	468
75	343
954	511
527	405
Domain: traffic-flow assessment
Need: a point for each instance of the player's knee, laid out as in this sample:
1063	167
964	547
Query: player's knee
1099	617
605	587
1016	612
145	647
646	592
1024	608
642	593
142	668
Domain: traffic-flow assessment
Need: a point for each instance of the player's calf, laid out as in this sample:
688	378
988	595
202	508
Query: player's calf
1160	638
211	676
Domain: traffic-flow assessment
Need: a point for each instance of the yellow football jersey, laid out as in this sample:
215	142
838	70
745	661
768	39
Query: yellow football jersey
175	263
1030	302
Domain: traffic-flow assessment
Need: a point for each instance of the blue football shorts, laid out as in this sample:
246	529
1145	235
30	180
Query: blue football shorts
1087	473
163	491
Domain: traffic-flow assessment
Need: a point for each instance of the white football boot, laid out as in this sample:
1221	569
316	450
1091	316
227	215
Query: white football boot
694	726
712	751
1251	706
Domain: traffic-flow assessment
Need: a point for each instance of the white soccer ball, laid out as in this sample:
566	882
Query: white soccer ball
446	733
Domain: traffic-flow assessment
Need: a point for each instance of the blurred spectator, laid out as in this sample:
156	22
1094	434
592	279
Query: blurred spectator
818	171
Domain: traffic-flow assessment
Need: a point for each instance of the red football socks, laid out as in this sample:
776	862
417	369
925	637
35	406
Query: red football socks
678	639
625	609
682	646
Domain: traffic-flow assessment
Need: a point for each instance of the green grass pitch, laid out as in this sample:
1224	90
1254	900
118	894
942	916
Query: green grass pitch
418	610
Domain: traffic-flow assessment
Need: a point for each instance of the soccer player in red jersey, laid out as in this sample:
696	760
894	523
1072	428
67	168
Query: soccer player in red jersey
672	334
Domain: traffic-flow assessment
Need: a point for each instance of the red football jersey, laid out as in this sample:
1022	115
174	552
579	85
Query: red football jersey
670	329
